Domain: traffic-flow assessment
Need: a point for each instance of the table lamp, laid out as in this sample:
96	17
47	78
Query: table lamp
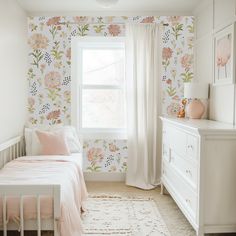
194	92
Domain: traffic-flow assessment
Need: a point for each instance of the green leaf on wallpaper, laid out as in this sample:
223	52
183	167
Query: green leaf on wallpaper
53	31
190	28
31	73
98	28
33	27
64	110
100	19
57	55
171	91
37	57
83	29
187	76
94	168
177	30
165	63
31	109
53	94
55	52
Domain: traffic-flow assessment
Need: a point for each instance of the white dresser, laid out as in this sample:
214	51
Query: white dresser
199	172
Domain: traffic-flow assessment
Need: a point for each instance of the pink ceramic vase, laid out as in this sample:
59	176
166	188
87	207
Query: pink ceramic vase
195	109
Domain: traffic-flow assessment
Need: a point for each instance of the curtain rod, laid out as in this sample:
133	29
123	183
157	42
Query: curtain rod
117	23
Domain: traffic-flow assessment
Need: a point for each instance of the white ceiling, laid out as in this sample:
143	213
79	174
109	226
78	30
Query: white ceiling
54	6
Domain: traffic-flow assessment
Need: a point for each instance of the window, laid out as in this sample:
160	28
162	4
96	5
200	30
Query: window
101	85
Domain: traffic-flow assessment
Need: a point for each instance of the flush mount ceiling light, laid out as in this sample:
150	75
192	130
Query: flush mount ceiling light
107	3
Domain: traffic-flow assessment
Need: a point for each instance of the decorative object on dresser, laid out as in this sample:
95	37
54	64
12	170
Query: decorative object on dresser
224	56
198	170
181	113
194	92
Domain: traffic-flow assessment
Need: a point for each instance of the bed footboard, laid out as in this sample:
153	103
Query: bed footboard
9	151
21	191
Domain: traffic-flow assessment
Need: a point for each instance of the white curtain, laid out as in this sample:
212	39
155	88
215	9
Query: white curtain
142	50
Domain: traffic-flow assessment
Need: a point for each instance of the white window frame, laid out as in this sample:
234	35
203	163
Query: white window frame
78	44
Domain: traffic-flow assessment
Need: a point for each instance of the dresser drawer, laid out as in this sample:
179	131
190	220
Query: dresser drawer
181	189
192	146
165	152
178	140
182	143
187	168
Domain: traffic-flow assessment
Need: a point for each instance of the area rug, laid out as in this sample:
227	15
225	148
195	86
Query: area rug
122	216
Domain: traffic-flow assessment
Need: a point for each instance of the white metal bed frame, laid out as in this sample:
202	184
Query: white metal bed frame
9	151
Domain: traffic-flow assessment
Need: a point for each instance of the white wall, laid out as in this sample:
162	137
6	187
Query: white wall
211	16
13	69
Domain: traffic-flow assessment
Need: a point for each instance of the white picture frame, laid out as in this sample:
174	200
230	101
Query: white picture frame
224	56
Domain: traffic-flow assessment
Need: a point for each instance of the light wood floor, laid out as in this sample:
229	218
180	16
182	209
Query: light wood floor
175	220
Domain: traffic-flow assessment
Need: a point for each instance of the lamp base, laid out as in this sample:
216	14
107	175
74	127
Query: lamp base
195	109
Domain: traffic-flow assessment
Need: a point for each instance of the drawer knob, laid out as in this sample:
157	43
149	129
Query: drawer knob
190	147
188	172
187	200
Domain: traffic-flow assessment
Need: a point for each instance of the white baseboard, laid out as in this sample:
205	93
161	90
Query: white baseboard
104	176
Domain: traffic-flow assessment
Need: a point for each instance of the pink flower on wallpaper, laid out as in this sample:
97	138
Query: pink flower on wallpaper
149	19
68	53
187	61
176	97
169	81
95	154
113	169
31	101
174	20
67	96
167	53
38	41
173	109
52	80
80	19
113	147
42	66
114	30
53	21
53	115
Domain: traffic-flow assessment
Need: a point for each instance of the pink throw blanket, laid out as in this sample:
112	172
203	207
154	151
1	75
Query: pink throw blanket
62	170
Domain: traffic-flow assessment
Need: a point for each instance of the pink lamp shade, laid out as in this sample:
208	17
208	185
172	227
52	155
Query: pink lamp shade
196	92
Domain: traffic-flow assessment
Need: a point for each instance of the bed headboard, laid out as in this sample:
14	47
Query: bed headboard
11	149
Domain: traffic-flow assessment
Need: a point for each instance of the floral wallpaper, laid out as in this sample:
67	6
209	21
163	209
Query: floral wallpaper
105	155
49	73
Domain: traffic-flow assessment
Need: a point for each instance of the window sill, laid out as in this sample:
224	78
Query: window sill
104	135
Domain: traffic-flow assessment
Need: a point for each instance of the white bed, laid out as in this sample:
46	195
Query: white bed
10	151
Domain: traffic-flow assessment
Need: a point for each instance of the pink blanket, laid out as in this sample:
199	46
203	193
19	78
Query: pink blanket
62	170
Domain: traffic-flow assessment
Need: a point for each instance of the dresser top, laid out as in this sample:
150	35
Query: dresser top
200	125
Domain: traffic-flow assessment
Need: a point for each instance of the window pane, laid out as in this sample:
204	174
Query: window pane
103	108
103	66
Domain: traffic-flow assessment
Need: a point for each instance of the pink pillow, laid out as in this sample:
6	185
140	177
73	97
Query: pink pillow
53	143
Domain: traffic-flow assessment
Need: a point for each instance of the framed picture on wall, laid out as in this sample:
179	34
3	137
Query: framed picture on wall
224	56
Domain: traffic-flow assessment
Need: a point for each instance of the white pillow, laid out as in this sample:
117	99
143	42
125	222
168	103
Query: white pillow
73	141
32	143
33	146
